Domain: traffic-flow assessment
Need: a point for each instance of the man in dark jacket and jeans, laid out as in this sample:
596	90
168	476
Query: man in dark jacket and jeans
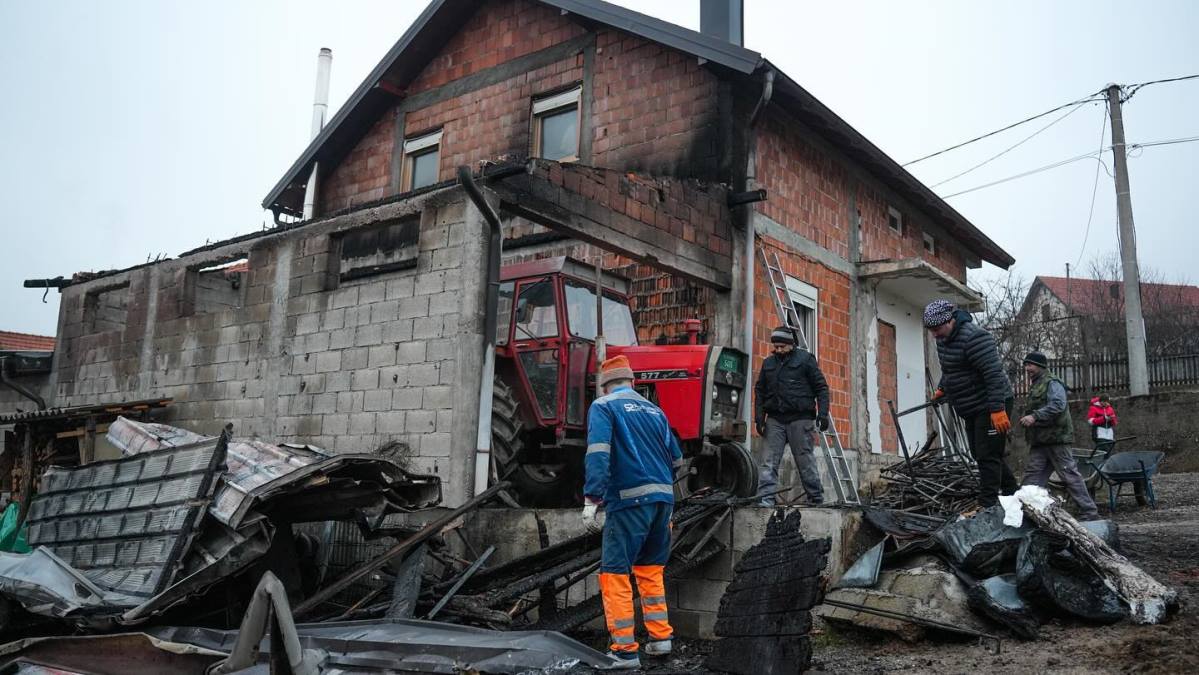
972	378
790	402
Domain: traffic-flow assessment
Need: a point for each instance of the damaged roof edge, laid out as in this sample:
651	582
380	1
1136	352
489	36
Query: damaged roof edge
722	53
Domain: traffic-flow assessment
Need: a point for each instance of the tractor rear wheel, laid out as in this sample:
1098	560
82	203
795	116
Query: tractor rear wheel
535	485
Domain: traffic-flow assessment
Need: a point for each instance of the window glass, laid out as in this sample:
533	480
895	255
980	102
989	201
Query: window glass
535	311
580	310
503	319
560	134
424	169
541	368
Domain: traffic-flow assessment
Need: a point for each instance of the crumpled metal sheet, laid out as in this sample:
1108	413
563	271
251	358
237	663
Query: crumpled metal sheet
411	645
126	524
864	572
46	585
256	471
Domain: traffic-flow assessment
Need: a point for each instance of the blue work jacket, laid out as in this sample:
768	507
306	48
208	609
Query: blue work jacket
630	451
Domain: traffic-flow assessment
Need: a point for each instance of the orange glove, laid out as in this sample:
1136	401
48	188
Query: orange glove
1000	421
938	394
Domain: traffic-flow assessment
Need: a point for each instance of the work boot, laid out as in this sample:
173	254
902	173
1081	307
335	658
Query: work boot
621	661
658	648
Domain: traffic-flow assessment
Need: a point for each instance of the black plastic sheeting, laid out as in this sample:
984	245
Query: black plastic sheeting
1049	574
413	646
997	599
982	546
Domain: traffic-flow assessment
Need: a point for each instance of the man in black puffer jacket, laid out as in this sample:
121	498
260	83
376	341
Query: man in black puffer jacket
790	402
972	378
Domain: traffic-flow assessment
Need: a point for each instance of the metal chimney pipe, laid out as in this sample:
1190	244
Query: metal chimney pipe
723	19
320	110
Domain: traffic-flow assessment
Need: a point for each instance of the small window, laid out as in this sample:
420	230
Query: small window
104	310
218	286
805	299
930	244
894	219
377	249
556	126
1046	313
422	161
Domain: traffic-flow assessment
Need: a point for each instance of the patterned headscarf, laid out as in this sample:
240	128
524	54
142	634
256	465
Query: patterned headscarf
938	312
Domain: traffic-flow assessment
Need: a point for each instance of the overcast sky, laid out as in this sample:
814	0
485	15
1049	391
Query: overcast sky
136	128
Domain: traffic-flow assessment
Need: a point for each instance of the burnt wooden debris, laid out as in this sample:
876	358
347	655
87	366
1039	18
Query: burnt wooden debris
765	614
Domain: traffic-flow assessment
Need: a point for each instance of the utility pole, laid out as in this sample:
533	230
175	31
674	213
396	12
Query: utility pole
1134	321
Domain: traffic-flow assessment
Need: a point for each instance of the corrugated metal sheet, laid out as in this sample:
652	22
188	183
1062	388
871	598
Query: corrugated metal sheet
126	524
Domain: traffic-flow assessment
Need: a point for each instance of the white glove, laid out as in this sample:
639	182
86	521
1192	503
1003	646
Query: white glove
593	521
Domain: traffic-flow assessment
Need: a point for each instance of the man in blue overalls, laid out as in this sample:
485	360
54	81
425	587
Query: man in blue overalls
630	452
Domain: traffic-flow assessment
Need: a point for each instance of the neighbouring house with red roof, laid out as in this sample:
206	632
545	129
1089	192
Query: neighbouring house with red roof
1064	315
25	342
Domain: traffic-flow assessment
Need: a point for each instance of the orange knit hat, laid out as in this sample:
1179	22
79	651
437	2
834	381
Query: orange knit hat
615	368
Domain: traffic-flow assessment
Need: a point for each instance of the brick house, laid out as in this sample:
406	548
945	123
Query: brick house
635	140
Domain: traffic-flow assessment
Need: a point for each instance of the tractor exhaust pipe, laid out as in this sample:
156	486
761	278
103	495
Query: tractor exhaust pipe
487	386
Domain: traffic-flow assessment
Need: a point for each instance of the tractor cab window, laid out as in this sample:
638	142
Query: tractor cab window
503	318
536	314
580	311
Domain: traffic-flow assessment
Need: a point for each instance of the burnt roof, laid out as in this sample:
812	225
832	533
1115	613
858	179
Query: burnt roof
421	42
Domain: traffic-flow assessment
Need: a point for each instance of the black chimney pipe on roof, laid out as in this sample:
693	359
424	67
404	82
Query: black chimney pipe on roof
723	19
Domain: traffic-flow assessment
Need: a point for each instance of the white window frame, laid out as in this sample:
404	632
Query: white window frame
894	212
417	147
548	105
930	244
806	296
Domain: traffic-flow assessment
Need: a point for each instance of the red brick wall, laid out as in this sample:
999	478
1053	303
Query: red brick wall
365	174
809	193
654	109
500	31
879	241
832	323
888	384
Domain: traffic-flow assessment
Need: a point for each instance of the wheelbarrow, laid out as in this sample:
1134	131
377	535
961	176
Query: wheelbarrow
1086	459
1136	467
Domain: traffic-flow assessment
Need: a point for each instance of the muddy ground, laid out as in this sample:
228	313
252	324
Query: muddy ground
1164	542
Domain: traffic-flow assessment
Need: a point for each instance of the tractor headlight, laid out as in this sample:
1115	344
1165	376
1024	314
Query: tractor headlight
715	393
734	396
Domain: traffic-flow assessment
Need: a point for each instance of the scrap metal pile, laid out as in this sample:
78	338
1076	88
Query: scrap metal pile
930	483
205	531
119	541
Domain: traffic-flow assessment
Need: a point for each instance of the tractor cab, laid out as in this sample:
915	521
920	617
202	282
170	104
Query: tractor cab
545	382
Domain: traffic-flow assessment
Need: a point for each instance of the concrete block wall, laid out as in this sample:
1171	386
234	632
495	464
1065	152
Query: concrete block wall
693	598
345	365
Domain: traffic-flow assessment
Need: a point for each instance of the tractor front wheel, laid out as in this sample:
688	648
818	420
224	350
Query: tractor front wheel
731	469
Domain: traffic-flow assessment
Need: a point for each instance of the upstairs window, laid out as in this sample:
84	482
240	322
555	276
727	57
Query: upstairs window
556	126
894	219
422	161
805	300
930	244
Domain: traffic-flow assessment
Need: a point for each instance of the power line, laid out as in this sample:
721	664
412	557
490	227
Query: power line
1086	99
1097	96
1004	152
1134	88
1094	190
1089	155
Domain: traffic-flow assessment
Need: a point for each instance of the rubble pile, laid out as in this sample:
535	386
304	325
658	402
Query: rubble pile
931	483
1015	564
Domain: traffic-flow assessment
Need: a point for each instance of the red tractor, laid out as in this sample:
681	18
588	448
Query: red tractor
545	383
